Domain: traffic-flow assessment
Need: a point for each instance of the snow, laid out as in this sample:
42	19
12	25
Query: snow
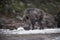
21	30
57	38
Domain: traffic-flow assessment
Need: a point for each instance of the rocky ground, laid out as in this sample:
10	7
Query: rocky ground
31	37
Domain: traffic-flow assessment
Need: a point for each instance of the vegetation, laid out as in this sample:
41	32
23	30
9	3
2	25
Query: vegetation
17	6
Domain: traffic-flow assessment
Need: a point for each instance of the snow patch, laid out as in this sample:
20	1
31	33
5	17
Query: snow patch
21	30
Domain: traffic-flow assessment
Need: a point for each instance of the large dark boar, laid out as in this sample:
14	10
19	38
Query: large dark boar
38	18
34	15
